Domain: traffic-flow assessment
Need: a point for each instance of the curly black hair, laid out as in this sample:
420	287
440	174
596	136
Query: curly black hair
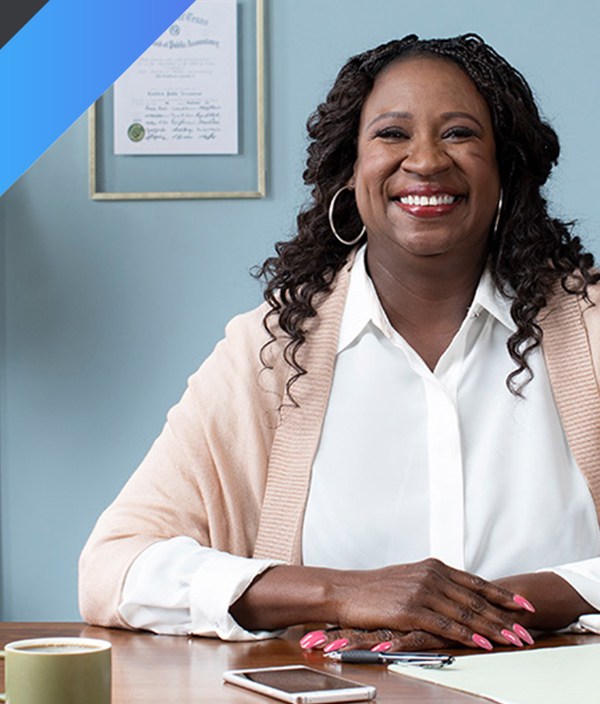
529	252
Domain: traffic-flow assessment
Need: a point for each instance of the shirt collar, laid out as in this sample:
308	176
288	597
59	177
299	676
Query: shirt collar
363	305
488	298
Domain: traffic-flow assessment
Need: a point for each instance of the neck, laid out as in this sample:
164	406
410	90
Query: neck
425	298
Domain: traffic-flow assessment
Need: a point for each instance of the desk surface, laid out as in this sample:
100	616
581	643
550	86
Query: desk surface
149	668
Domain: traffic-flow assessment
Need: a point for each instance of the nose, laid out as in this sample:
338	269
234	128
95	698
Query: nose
426	157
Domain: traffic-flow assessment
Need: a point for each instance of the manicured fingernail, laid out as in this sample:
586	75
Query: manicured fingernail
312	639
523	603
511	637
335	645
482	642
382	647
523	634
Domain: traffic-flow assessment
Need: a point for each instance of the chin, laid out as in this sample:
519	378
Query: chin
425	246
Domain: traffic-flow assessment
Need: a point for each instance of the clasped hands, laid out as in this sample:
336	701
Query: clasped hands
425	605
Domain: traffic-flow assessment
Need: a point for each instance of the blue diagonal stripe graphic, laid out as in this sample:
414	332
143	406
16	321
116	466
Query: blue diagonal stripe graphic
61	61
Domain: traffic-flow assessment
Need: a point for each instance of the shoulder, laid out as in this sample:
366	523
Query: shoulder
254	343
236	358
587	305
571	323
247	329
261	325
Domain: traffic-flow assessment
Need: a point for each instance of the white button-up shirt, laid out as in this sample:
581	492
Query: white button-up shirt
411	463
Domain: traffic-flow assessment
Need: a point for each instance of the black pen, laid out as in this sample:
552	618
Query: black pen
408	658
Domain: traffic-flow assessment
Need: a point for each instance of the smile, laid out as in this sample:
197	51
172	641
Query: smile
428	205
431	201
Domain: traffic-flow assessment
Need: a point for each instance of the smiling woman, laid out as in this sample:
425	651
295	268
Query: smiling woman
396	374
427	185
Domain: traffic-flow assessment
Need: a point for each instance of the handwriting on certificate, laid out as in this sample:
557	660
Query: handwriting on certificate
180	97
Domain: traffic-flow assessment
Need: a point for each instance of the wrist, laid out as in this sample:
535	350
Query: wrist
287	595
556	602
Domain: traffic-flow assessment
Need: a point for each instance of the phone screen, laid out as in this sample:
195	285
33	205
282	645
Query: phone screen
300	679
300	684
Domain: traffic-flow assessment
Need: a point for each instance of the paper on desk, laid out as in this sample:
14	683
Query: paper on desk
544	676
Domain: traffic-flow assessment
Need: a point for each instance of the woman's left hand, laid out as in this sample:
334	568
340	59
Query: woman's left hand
381	640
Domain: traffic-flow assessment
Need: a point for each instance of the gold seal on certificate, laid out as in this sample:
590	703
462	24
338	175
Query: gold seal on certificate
136	132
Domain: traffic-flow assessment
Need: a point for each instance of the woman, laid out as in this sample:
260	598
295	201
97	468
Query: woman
383	445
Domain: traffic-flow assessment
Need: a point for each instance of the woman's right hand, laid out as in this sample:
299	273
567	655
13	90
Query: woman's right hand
429	599
426	597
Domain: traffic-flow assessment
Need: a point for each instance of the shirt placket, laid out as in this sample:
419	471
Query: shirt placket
444	447
445	460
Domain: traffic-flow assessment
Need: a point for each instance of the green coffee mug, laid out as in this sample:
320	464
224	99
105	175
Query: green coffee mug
57	671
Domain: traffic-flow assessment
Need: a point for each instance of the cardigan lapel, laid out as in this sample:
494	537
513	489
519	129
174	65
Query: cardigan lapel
298	433
568	351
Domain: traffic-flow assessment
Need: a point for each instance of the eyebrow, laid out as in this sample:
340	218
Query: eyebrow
409	116
392	113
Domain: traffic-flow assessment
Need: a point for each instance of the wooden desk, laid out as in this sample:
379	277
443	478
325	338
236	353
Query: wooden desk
149	668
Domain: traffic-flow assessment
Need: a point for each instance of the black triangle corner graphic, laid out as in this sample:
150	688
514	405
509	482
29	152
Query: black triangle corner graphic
15	15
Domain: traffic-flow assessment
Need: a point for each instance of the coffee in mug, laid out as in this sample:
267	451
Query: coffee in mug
57	671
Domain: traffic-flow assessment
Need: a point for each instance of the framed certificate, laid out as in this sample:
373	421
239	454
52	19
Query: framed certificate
187	120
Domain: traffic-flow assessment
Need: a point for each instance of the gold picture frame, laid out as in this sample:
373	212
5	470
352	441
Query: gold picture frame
101	194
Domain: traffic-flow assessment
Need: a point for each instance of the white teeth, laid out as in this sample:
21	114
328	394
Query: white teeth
440	199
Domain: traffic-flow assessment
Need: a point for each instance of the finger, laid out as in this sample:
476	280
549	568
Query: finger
313	639
348	639
475	612
392	639
493	593
381	639
479	633
421	640
472	601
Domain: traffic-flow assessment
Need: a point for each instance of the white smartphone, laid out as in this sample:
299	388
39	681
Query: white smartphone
298	684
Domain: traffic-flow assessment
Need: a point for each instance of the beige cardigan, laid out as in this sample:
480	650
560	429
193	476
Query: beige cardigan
231	472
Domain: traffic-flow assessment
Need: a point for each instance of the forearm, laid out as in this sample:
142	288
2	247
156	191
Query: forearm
556	602
288	595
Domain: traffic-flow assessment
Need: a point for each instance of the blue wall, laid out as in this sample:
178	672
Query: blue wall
107	307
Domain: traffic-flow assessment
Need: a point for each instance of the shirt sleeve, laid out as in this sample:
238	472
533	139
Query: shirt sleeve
179	587
584	577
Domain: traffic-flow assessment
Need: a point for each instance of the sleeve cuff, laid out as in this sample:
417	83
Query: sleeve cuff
178	587
587	585
223	579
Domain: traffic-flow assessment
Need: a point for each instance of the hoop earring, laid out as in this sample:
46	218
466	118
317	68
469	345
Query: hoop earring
498	214
348	243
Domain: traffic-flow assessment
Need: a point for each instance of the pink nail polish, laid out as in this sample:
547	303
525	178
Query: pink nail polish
335	645
523	603
511	637
382	647
482	642
523	634
312	639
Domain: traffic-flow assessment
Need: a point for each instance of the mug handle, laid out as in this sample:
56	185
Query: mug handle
2	694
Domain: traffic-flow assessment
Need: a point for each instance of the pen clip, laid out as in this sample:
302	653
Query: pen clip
431	660
431	663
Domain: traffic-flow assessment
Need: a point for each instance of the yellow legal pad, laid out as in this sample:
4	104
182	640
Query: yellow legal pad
544	676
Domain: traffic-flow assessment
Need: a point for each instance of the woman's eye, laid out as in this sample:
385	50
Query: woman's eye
459	133
391	133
